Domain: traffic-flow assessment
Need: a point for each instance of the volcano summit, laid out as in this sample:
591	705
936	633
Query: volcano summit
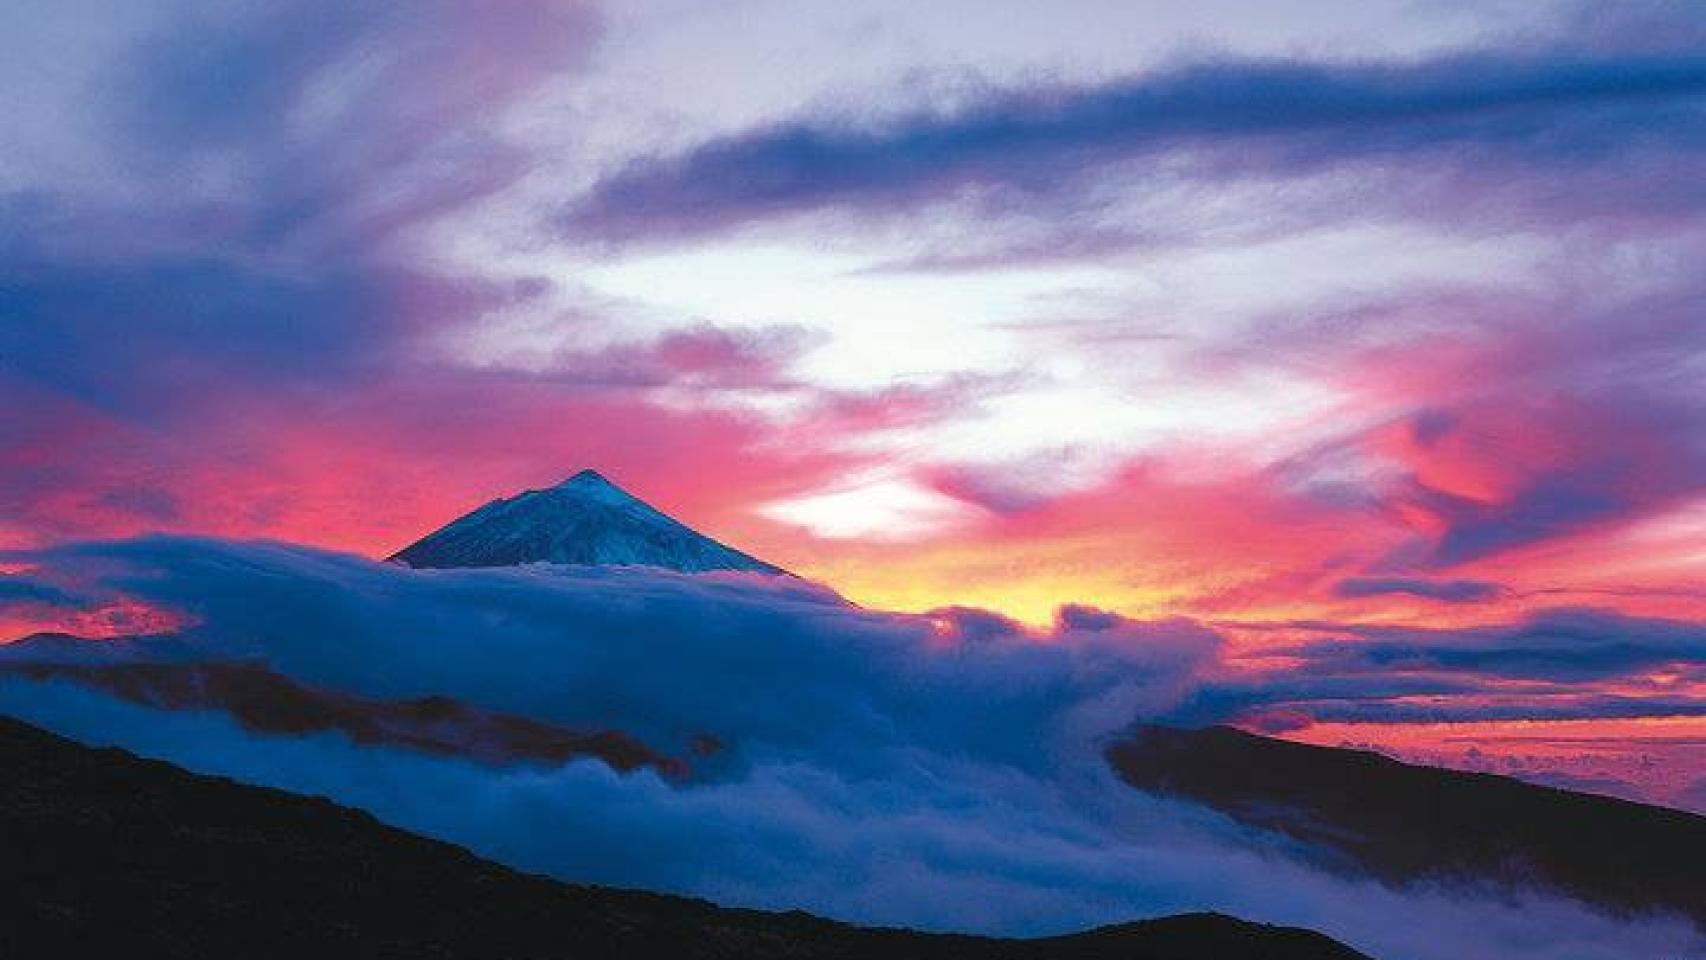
584	520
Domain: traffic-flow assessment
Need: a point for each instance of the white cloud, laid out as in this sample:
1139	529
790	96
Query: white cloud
874	508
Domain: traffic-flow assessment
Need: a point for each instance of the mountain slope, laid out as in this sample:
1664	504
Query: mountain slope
586	519
1404	823
110	855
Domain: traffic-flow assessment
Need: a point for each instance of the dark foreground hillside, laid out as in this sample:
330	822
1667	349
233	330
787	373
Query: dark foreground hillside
1405	823
103	853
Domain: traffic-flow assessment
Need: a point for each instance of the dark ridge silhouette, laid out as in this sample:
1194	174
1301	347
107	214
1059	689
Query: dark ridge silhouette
585	520
111	855
264	701
1404	823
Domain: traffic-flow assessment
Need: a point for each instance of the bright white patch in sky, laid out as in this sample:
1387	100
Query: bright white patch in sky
883	327
878	506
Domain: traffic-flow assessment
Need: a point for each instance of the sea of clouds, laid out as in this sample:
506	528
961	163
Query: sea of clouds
942	771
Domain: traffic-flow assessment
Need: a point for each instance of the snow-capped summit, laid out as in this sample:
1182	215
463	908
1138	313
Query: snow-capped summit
586	520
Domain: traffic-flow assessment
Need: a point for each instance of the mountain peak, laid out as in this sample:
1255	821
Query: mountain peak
588	478
585	520
591	483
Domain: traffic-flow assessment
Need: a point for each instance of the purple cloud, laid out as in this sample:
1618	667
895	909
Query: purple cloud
23	590
1540	112
1446	591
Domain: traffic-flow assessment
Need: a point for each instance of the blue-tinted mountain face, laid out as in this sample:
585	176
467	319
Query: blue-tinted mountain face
585	520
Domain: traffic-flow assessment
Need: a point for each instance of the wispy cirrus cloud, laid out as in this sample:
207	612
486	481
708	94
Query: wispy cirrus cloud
1464	117
1562	645
1449	591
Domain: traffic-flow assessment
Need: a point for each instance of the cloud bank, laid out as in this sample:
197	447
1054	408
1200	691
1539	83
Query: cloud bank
938	770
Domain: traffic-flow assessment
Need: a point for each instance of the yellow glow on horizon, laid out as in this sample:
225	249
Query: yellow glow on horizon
1026	582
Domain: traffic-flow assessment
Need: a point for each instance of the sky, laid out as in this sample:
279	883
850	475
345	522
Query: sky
1367	329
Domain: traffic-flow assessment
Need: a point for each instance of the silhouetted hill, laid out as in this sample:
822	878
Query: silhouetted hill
266	701
1404	823
110	855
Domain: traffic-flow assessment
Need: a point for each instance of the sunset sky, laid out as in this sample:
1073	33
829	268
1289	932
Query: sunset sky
1359	318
